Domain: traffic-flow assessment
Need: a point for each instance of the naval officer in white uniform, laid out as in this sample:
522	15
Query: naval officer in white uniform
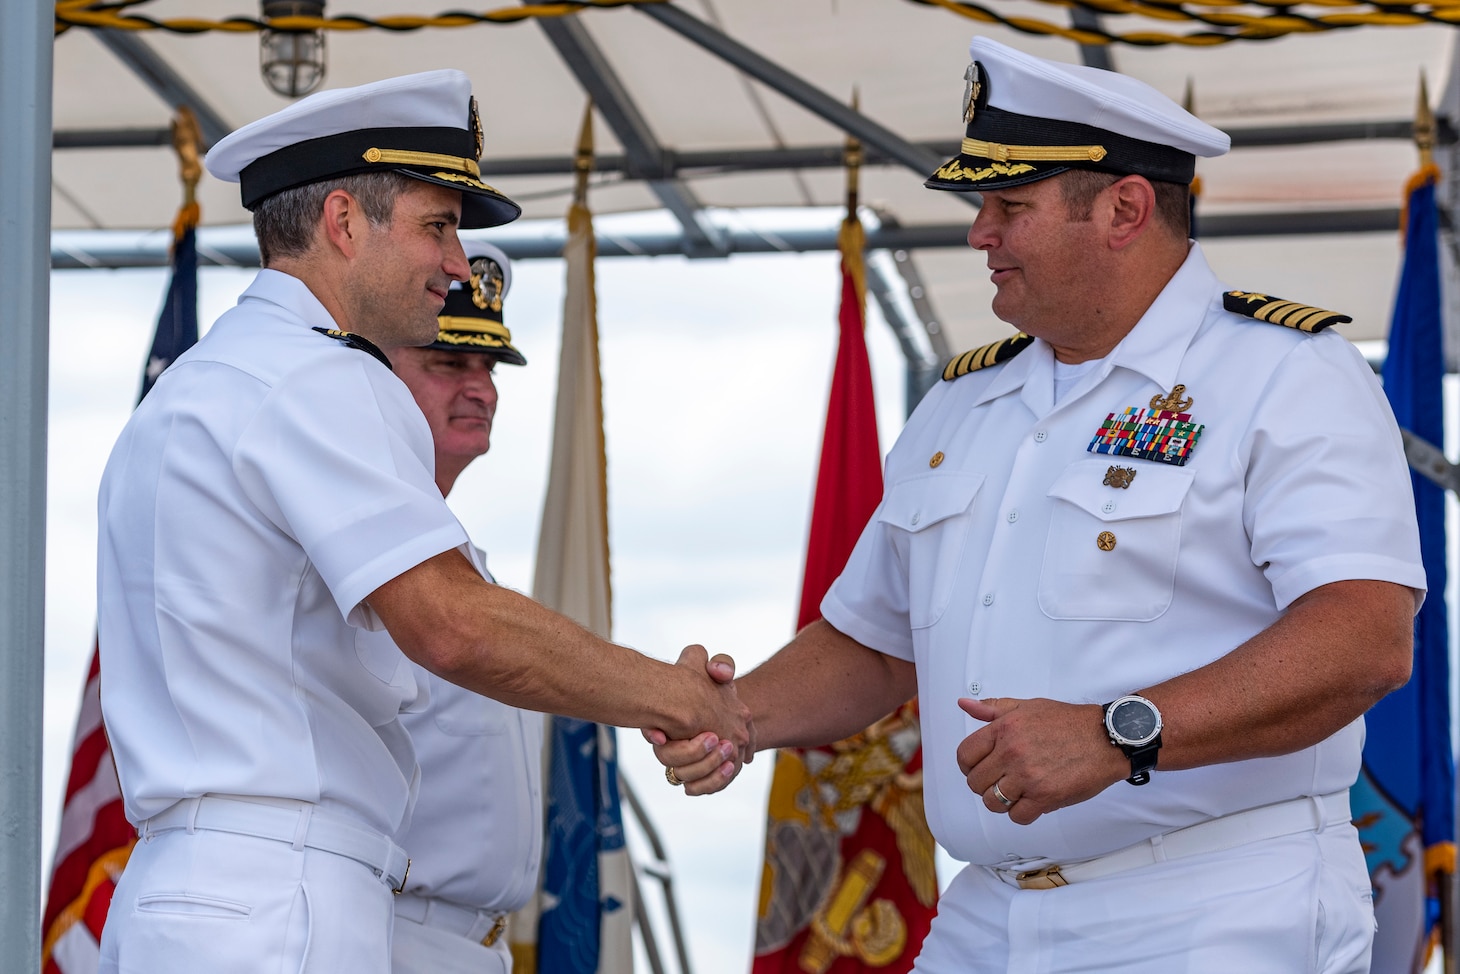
274	496
476	835
1146	565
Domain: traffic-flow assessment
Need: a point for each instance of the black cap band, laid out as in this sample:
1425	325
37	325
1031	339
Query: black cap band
1122	155
344	154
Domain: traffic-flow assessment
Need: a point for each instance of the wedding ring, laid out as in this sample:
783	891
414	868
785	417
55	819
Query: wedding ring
673	778
1008	802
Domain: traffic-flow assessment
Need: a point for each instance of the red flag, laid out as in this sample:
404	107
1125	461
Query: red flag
94	843
849	883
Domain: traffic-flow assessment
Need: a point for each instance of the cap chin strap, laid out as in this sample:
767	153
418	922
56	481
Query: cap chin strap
404	157
999	152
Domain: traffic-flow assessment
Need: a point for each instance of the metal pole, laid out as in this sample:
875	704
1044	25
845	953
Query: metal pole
25	222
918	159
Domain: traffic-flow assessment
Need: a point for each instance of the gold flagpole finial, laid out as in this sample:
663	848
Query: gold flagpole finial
583	160
186	137
1424	124
852	159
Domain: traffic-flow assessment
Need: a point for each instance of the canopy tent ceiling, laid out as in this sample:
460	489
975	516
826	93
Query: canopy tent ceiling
1320	121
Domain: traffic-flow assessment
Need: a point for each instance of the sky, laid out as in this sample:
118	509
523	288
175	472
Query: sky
715	380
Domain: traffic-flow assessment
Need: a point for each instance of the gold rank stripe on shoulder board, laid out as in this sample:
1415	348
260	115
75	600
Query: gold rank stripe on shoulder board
985	355
1303	317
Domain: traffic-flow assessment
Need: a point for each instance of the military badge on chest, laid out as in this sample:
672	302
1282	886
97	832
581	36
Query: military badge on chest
1162	431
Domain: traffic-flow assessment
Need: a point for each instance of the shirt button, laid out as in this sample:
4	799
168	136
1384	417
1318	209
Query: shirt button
975	687
1040	436
988	598
1013	516
914	519
1109	507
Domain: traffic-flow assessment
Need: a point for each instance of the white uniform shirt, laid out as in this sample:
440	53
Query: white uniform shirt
270	481
475	837
985	569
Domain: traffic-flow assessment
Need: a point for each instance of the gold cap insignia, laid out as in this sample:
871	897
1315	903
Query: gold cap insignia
486	284
972	88
476	127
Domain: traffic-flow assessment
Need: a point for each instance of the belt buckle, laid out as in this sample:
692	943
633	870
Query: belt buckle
495	932
398	890
1049	877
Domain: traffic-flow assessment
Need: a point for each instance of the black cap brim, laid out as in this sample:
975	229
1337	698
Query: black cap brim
481	205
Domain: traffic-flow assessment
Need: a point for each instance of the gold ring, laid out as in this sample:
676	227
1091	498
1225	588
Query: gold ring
672	778
1008	802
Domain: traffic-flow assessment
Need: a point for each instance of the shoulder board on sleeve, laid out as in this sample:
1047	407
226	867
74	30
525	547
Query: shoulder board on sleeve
1288	313
985	355
357	341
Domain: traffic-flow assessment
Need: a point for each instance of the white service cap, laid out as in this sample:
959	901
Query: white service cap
1029	118
421	125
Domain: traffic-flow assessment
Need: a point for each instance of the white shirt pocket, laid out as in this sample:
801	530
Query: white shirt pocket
461	713
1111	552
929	518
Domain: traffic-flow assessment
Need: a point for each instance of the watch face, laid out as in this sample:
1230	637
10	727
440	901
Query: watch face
1135	721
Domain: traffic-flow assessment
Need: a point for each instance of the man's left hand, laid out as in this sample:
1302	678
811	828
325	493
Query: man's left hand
1042	754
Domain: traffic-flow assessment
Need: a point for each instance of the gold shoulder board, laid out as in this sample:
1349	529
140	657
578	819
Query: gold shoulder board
1289	313
985	355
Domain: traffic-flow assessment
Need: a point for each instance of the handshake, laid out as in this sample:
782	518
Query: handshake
706	762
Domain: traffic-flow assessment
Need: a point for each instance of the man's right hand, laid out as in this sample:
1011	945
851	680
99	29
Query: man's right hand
707	762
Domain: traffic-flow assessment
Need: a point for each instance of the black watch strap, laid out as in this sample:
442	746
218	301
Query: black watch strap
1142	760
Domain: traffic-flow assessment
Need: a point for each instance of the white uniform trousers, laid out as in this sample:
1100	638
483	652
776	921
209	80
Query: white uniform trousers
1297	904
421	946
238	904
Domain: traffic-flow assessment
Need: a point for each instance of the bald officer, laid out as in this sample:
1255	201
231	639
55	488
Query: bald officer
475	837
273	499
1146	564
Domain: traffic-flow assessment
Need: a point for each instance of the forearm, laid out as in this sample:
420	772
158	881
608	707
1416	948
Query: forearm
821	687
503	645
1335	653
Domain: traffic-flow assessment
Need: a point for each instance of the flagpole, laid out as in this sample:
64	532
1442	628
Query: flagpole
26	54
1424	141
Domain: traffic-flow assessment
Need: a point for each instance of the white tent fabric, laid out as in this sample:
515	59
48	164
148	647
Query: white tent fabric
906	60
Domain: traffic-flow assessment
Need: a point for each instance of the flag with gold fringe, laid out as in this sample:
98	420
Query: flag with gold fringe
1404	801
849	883
95	837
581	920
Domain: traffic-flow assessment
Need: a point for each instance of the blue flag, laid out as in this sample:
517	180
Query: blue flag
584	829
177	323
1404	801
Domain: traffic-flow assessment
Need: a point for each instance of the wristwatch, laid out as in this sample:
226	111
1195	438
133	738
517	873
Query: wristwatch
1134	726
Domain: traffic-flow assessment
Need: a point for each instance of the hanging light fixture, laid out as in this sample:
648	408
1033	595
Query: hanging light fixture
292	61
